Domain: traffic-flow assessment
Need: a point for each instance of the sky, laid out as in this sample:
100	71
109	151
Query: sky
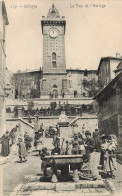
93	30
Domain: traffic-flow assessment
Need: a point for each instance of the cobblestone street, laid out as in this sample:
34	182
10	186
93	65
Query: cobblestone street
14	172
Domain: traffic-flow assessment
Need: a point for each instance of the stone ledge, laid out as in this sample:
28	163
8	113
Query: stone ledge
31	178
69	193
90	184
110	186
64	187
60	186
38	186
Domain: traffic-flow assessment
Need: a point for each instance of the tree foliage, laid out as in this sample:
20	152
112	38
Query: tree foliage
91	86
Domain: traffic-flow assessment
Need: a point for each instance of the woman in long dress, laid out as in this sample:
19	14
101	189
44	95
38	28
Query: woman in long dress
109	156
5	144
22	150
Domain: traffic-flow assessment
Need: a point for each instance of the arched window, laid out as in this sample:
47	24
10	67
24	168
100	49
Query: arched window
54	86
54	65
54	56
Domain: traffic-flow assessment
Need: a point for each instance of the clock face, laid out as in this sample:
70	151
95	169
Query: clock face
53	33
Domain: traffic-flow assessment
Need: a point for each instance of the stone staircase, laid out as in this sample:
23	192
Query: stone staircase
34	187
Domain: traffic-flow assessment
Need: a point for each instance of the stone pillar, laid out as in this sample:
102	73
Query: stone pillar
75	175
19	111
63	133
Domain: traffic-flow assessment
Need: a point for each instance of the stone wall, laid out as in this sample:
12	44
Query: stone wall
84	123
25	127
87	123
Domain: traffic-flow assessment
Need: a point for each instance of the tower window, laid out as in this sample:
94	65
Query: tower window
54	56
85	72
54	65
44	84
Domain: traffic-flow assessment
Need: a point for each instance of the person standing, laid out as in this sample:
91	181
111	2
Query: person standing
112	146
108	157
5	151
22	150
87	169
41	130
28	141
44	163
97	151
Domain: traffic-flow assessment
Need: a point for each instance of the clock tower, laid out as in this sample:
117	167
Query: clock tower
54	80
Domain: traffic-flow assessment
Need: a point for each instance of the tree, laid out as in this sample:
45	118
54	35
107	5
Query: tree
23	85
19	81
91	86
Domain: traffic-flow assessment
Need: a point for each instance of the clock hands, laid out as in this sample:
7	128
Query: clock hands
53	33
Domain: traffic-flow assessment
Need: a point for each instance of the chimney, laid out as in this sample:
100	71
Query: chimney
118	55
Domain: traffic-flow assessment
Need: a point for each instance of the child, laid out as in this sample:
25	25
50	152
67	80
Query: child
39	145
22	150
56	150
81	146
75	148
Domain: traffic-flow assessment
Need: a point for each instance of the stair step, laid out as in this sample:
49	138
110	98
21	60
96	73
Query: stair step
82	184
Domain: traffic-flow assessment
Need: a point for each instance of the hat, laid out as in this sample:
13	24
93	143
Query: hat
103	136
57	138
44	149
87	133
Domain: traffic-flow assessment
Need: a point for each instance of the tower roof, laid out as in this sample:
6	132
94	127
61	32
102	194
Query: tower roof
53	12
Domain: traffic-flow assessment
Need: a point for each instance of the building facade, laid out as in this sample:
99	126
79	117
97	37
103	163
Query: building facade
57	81
23	84
109	102
54	80
106	70
3	23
